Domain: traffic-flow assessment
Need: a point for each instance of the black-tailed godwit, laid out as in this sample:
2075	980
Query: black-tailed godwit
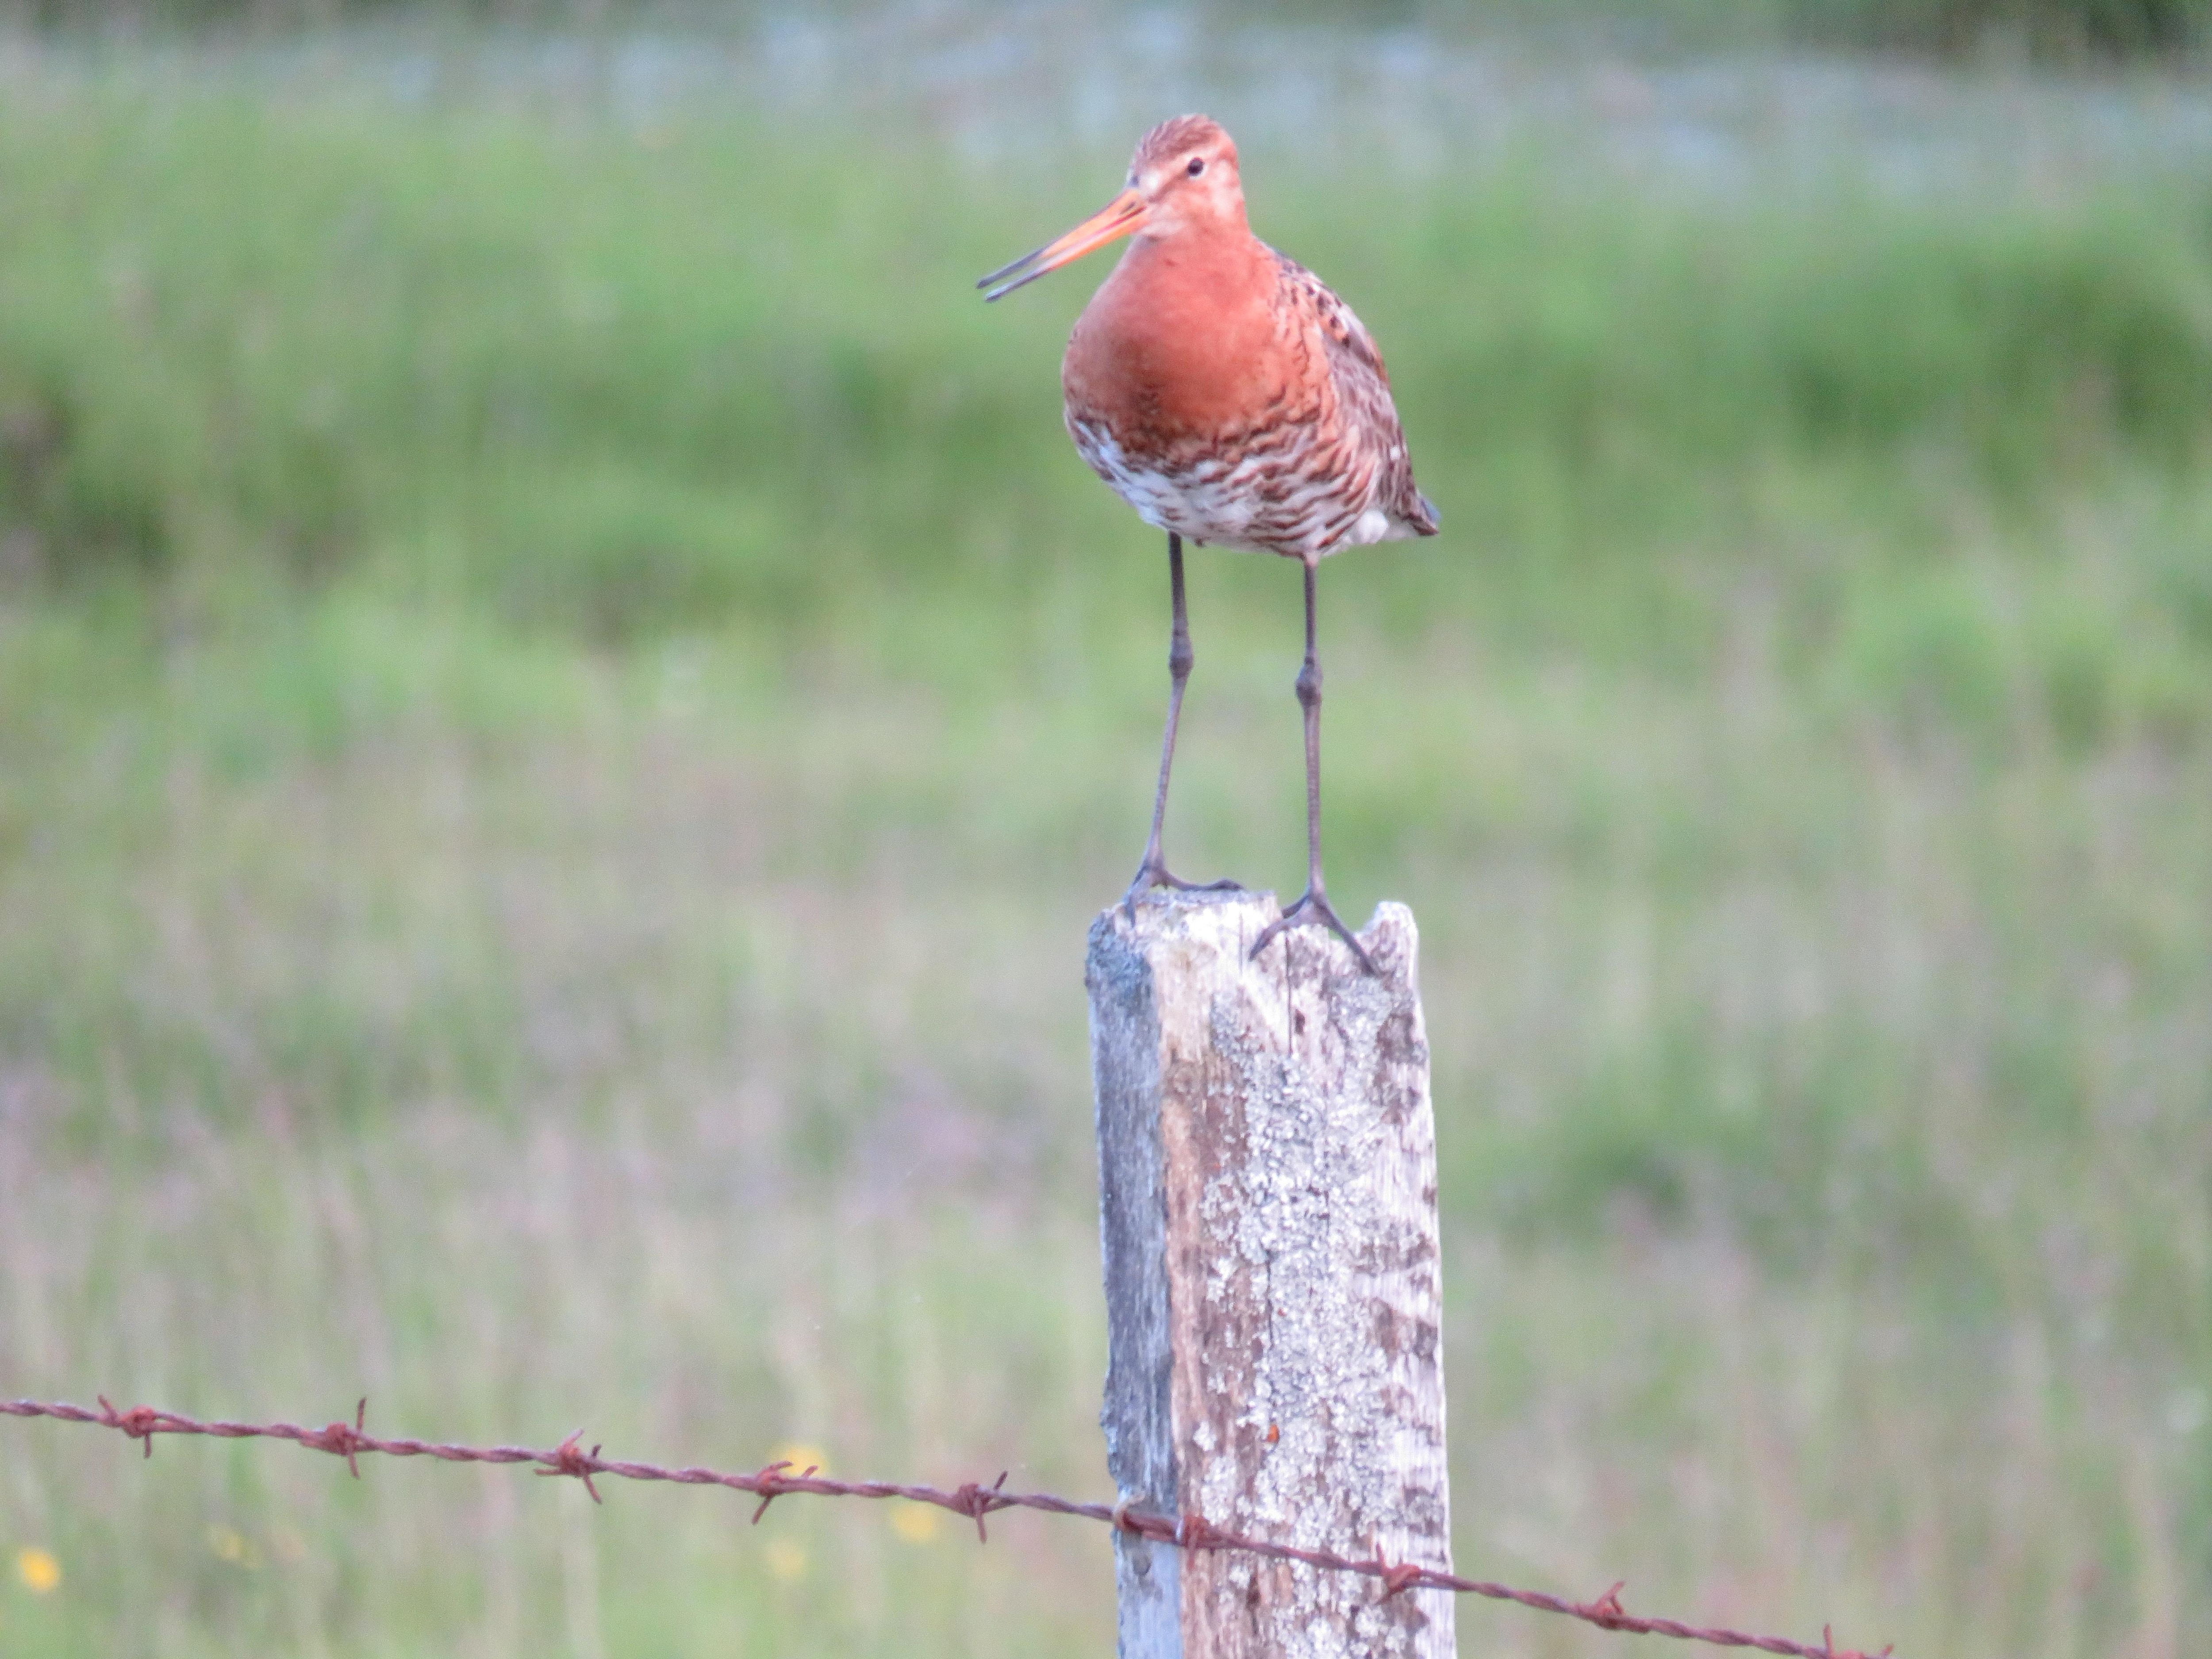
1231	398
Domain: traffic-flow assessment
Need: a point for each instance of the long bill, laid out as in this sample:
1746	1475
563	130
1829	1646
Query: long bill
1124	214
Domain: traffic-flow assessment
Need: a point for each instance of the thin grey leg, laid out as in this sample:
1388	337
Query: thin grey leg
1153	871
1313	905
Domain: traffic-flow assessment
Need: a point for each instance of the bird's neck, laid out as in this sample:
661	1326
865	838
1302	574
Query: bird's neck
1214	265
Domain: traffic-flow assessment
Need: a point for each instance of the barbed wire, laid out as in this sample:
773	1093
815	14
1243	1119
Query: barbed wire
972	1500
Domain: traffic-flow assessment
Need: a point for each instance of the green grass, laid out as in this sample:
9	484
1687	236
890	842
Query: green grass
564	706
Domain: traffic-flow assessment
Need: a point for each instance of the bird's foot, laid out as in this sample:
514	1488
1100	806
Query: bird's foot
1312	907
1153	873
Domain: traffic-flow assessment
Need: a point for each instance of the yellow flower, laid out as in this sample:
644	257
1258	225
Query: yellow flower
785	1560
38	1570
915	1522
228	1543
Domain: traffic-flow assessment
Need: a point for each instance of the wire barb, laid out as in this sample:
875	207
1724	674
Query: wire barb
340	1441
977	1502
141	1422
1828	1637
1606	1613
1190	1531
767	1484
1397	1580
569	1459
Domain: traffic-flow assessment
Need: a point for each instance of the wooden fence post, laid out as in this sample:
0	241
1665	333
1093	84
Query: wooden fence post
1268	1209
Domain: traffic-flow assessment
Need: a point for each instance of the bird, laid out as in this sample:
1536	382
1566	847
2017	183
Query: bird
1229	397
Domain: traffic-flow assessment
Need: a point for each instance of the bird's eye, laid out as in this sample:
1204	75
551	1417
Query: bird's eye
1197	166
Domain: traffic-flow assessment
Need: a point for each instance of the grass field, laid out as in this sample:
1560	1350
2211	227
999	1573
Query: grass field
564	706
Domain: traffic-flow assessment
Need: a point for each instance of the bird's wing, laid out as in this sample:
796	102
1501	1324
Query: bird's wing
1362	391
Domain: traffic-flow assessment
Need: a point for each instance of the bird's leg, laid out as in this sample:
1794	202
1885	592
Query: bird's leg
1313	904
1153	871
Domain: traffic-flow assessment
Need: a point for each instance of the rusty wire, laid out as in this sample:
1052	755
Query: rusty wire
972	1500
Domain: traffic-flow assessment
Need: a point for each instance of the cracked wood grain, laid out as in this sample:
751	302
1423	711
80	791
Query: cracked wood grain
1268	1214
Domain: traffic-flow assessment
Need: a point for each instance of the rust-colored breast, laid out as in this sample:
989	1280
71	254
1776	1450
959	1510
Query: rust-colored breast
1183	352
1228	396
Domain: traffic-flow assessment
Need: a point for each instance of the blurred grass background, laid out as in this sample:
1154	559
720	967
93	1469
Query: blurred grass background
564	704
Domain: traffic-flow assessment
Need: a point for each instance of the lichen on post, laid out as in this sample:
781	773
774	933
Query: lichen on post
1268	1211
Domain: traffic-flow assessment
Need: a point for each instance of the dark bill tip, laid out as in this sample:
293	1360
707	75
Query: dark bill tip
1008	269
1022	281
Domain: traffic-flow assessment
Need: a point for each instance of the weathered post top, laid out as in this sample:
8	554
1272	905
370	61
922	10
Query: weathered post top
1268	1209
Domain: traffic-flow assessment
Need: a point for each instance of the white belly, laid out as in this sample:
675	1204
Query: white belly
1260	504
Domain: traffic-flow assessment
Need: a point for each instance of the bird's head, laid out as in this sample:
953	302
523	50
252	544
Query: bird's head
1183	178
